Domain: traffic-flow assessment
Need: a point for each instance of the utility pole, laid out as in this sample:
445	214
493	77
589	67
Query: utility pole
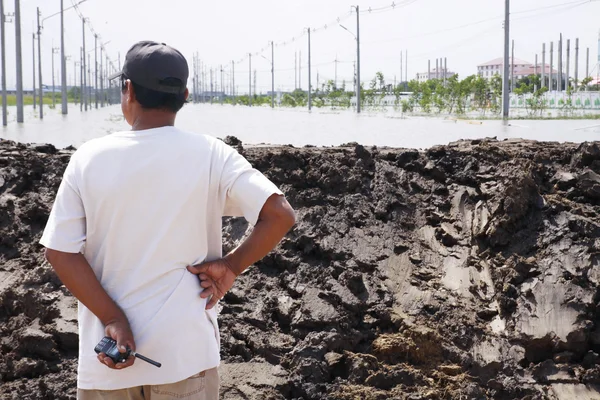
249	80
34	91
95	67
505	76
587	63
560	66
437	68
576	63
406	69
39	35
85	82
445	69
544	65
295	70
75	64
272	75
222	87
401	66
101	82
357	60
551	66
63	60
211	86
81	79
335	72
3	62
300	70
567	83
535	88
19	61
233	81
309	77
512	68
428	69
89	80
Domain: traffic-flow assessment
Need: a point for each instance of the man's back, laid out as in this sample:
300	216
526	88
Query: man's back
152	203
135	235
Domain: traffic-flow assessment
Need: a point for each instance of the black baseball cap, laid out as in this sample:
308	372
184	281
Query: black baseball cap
149	64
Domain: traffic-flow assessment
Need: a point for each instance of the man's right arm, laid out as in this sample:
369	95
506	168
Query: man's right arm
77	275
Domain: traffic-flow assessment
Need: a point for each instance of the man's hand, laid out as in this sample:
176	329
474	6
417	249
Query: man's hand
120	331
216	278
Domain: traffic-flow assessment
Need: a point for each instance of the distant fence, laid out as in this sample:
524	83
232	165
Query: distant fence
558	100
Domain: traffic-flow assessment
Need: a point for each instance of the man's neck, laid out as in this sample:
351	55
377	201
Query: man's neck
153	119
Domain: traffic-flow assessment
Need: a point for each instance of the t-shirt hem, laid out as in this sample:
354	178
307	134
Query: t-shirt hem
142	382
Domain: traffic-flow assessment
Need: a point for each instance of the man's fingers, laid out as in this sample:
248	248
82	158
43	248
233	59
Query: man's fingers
108	362
194	269
206	284
206	293
128	363
197	269
211	303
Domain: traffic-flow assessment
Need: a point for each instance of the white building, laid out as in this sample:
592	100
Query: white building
424	76
494	67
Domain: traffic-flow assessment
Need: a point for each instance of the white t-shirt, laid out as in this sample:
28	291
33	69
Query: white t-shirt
141	206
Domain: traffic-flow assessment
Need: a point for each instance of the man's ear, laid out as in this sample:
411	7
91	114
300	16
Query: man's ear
130	91
186	94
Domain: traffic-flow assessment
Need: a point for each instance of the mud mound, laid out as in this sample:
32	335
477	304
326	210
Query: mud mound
467	271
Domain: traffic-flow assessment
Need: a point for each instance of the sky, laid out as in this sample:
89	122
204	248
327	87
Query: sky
466	32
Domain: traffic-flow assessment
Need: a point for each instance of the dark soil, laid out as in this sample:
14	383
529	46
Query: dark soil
469	271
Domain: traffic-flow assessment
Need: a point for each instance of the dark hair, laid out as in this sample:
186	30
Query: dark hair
153	100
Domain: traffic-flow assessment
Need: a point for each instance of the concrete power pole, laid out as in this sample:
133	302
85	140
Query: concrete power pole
406	69
81	79
295	70
505	77
3	62
309	75
39	35
512	68
249	80
587	63
101	82
428	69
272	74
560	66
357	60
95	67
34	91
544	65
567	83
445	69
63	60
401	66
85	81
576	63
551	66
535	88
89	80
300	70
233	81
19	61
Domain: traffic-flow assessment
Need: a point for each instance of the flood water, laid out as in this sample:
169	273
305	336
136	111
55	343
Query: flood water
296	127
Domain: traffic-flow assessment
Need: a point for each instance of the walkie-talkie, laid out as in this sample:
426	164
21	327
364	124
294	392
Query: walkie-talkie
108	346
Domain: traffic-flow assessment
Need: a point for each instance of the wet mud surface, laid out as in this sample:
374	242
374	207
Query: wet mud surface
468	271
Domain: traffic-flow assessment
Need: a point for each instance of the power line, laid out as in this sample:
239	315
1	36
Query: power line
573	4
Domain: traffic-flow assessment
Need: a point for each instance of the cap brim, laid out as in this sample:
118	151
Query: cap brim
115	76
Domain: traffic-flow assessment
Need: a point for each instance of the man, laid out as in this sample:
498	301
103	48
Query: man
135	235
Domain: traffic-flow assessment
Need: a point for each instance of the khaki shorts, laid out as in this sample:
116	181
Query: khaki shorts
202	386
